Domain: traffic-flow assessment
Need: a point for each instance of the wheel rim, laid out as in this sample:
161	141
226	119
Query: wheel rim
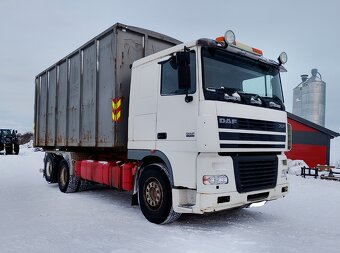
153	193
63	176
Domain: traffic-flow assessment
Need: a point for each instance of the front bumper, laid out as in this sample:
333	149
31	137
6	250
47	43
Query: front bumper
202	202
210	198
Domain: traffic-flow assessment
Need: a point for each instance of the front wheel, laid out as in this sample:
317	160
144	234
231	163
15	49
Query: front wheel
9	150
67	183
155	196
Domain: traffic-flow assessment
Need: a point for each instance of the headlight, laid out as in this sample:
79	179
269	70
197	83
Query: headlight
283	58
229	37
215	179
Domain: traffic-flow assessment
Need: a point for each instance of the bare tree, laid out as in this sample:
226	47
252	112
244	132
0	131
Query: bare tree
25	138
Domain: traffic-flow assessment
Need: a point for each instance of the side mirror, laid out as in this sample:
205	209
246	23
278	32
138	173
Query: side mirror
183	65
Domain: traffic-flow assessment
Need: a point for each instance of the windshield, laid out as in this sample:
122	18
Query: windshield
227	73
5	132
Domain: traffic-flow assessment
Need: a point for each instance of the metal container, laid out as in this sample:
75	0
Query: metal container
309	98
73	98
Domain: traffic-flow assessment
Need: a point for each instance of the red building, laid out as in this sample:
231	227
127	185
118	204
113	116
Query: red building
311	142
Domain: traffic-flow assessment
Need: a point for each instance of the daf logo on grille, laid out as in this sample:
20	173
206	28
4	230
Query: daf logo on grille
228	121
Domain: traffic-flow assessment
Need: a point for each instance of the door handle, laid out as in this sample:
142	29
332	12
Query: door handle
161	136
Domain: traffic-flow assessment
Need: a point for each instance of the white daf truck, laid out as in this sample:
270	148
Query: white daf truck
187	128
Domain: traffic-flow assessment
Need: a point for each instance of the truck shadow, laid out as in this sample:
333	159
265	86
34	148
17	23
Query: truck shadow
97	191
233	217
228	218
240	217
108	193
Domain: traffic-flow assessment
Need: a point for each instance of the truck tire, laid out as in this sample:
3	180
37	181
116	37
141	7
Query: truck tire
16	149
155	196
51	168
67	183
9	150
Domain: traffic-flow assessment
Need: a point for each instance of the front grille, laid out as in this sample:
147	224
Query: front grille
253	173
272	135
250	124
251	146
251	137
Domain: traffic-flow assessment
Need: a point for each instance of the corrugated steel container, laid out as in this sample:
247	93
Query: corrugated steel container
73	98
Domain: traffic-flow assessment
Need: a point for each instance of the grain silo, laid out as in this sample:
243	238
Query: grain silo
309	98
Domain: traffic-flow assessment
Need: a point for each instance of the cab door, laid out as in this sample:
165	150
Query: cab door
177	114
177	106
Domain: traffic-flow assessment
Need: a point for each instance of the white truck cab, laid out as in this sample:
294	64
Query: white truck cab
213	112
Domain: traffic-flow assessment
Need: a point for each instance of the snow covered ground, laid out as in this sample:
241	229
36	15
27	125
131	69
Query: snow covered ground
36	217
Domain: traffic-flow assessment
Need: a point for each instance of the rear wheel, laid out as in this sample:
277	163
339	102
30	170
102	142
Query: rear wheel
50	168
16	149
67	183
155	197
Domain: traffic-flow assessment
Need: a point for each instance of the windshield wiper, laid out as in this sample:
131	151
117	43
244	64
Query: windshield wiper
228	90
277	103
230	94
238	96
272	102
252	98
256	99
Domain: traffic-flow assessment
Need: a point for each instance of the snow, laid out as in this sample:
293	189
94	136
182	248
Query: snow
295	167
36	217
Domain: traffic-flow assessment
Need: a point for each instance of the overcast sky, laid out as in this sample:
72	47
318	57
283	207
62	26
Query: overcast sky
37	33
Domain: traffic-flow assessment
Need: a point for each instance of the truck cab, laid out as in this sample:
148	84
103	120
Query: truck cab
213	112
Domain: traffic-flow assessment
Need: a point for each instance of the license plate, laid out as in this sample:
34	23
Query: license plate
258	204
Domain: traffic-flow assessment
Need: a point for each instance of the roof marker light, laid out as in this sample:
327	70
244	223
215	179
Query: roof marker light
257	51
248	48
219	39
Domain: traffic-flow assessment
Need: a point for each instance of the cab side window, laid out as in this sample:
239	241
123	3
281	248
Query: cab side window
169	78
